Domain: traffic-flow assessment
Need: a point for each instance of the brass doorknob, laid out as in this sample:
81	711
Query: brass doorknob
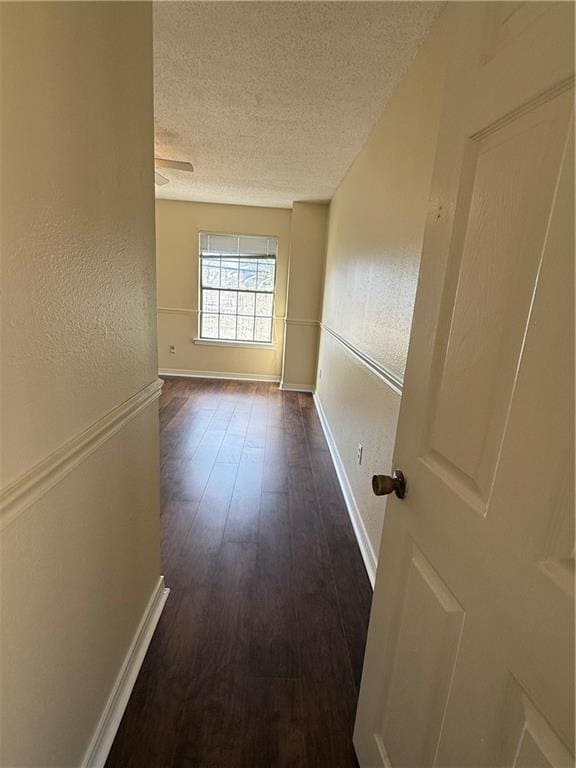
382	485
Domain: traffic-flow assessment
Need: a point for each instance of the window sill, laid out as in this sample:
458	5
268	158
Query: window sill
245	344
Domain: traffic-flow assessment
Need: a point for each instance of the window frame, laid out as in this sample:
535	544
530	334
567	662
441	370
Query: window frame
211	341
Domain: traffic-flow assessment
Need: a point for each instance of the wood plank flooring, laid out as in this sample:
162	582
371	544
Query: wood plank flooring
257	658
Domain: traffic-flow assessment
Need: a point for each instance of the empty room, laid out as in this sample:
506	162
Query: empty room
287	384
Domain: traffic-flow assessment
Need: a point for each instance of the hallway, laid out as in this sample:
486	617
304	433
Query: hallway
257	658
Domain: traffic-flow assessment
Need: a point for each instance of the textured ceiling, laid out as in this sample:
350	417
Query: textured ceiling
271	101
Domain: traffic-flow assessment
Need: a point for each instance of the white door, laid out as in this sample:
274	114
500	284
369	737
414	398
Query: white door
470	652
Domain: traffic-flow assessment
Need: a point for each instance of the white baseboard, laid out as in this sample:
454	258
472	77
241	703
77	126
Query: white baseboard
109	722
218	375
296	387
354	513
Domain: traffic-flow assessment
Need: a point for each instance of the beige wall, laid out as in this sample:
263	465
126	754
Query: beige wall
305	284
79	499
177	228
376	227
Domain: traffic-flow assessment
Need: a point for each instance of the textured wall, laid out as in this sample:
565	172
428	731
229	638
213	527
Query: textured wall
375	233
80	559
360	409
177	228
307	256
77	221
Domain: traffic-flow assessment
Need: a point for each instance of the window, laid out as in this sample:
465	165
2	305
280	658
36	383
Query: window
238	276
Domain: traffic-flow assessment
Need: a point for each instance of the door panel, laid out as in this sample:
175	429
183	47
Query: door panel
430	610
509	178
469	660
528	740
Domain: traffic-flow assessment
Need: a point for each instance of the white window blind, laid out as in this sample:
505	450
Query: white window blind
238	277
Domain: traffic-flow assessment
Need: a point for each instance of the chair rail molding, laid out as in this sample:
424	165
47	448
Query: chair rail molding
298	321
177	310
391	379
21	493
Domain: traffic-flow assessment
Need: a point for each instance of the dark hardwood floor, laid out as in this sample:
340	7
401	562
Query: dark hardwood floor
257	658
